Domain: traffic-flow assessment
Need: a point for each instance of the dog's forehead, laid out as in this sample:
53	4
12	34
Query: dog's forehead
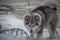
34	13
28	14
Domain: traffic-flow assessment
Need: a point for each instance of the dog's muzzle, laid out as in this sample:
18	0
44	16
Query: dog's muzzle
31	27
31	31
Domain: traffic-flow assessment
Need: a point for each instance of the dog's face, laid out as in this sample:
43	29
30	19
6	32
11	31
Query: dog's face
32	21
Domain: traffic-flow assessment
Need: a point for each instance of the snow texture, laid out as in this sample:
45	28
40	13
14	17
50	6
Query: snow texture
11	21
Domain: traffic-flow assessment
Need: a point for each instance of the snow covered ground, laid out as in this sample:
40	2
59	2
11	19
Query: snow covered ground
12	37
11	21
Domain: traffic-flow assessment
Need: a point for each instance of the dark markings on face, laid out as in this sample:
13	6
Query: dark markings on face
31	19
27	18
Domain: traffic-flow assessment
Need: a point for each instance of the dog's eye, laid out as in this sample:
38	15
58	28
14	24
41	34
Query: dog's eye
27	18
37	18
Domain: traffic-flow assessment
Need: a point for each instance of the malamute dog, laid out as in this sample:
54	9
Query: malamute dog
40	17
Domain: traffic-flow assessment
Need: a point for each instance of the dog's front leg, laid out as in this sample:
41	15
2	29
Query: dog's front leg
32	36
39	35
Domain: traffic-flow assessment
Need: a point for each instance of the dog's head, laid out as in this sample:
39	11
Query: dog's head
32	21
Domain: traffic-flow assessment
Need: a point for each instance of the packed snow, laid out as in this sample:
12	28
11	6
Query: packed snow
10	21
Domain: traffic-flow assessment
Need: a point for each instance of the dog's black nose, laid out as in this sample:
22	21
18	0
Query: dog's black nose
31	31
